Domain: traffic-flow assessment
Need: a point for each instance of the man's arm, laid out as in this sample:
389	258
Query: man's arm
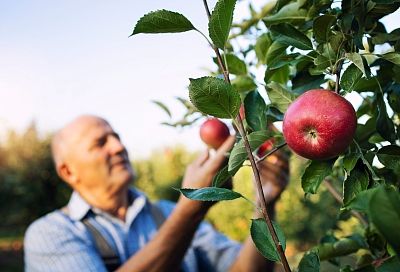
166	250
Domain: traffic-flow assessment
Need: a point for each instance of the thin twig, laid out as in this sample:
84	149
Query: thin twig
339	199
253	164
261	196
337	72
271	151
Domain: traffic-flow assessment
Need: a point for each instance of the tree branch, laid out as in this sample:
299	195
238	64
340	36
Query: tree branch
253	164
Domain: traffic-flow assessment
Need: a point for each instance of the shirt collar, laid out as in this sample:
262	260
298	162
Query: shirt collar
78	207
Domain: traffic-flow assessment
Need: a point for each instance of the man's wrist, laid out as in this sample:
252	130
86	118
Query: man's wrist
196	210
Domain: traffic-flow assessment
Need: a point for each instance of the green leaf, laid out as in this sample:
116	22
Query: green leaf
289	35
350	78
358	61
314	174
303	81
384	125
215	97
290	13
354	184
365	85
273	114
280	97
384	211
221	177
279	75
361	201
263	240
321	63
349	161
255	109
309	262
389	156
275	51
239	153
336	41
163	107
210	194
243	84
392	264
394	98
221	21
381	38
236	66
261	48
322	27
392	57
285	60
343	247
162	21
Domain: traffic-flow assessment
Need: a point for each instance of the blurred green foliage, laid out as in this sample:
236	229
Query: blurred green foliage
29	185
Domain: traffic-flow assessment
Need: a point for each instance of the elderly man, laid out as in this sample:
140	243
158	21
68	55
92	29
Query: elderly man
109	225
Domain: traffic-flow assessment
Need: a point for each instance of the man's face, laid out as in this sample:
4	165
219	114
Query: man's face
97	157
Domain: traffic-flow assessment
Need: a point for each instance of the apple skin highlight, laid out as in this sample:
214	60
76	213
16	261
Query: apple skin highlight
319	124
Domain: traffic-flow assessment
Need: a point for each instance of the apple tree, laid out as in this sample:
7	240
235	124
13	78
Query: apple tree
275	57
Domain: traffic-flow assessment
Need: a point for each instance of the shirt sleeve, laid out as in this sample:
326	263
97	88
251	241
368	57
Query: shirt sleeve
54	243
214	251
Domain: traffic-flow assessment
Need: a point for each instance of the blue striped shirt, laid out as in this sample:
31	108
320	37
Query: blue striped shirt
57	242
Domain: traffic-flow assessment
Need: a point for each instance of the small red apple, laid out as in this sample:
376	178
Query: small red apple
319	124
242	113
265	147
214	132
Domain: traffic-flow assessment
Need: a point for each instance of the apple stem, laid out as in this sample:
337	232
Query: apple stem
271	152
339	199
253	164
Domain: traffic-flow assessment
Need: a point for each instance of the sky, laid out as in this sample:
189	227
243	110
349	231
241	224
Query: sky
61	59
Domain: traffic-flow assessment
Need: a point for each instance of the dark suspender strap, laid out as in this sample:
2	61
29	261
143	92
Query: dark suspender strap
110	257
107	253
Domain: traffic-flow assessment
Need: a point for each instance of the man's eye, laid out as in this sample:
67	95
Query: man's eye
101	142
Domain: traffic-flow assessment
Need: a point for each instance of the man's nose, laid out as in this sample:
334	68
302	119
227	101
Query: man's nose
115	145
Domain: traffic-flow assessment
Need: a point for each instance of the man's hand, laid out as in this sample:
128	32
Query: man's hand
274	174
200	173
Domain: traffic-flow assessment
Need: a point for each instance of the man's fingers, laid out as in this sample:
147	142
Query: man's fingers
202	158
216	161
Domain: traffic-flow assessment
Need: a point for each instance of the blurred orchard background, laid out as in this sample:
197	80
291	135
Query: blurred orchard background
30	188
63	59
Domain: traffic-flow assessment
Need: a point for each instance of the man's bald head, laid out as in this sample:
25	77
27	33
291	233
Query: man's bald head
90	157
63	142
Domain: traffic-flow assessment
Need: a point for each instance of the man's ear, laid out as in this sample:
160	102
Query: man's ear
65	173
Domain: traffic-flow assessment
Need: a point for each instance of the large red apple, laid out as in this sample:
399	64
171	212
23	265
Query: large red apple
319	124
213	132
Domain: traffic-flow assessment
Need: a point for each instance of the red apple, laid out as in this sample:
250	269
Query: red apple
265	147
242	113
319	124
213	132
